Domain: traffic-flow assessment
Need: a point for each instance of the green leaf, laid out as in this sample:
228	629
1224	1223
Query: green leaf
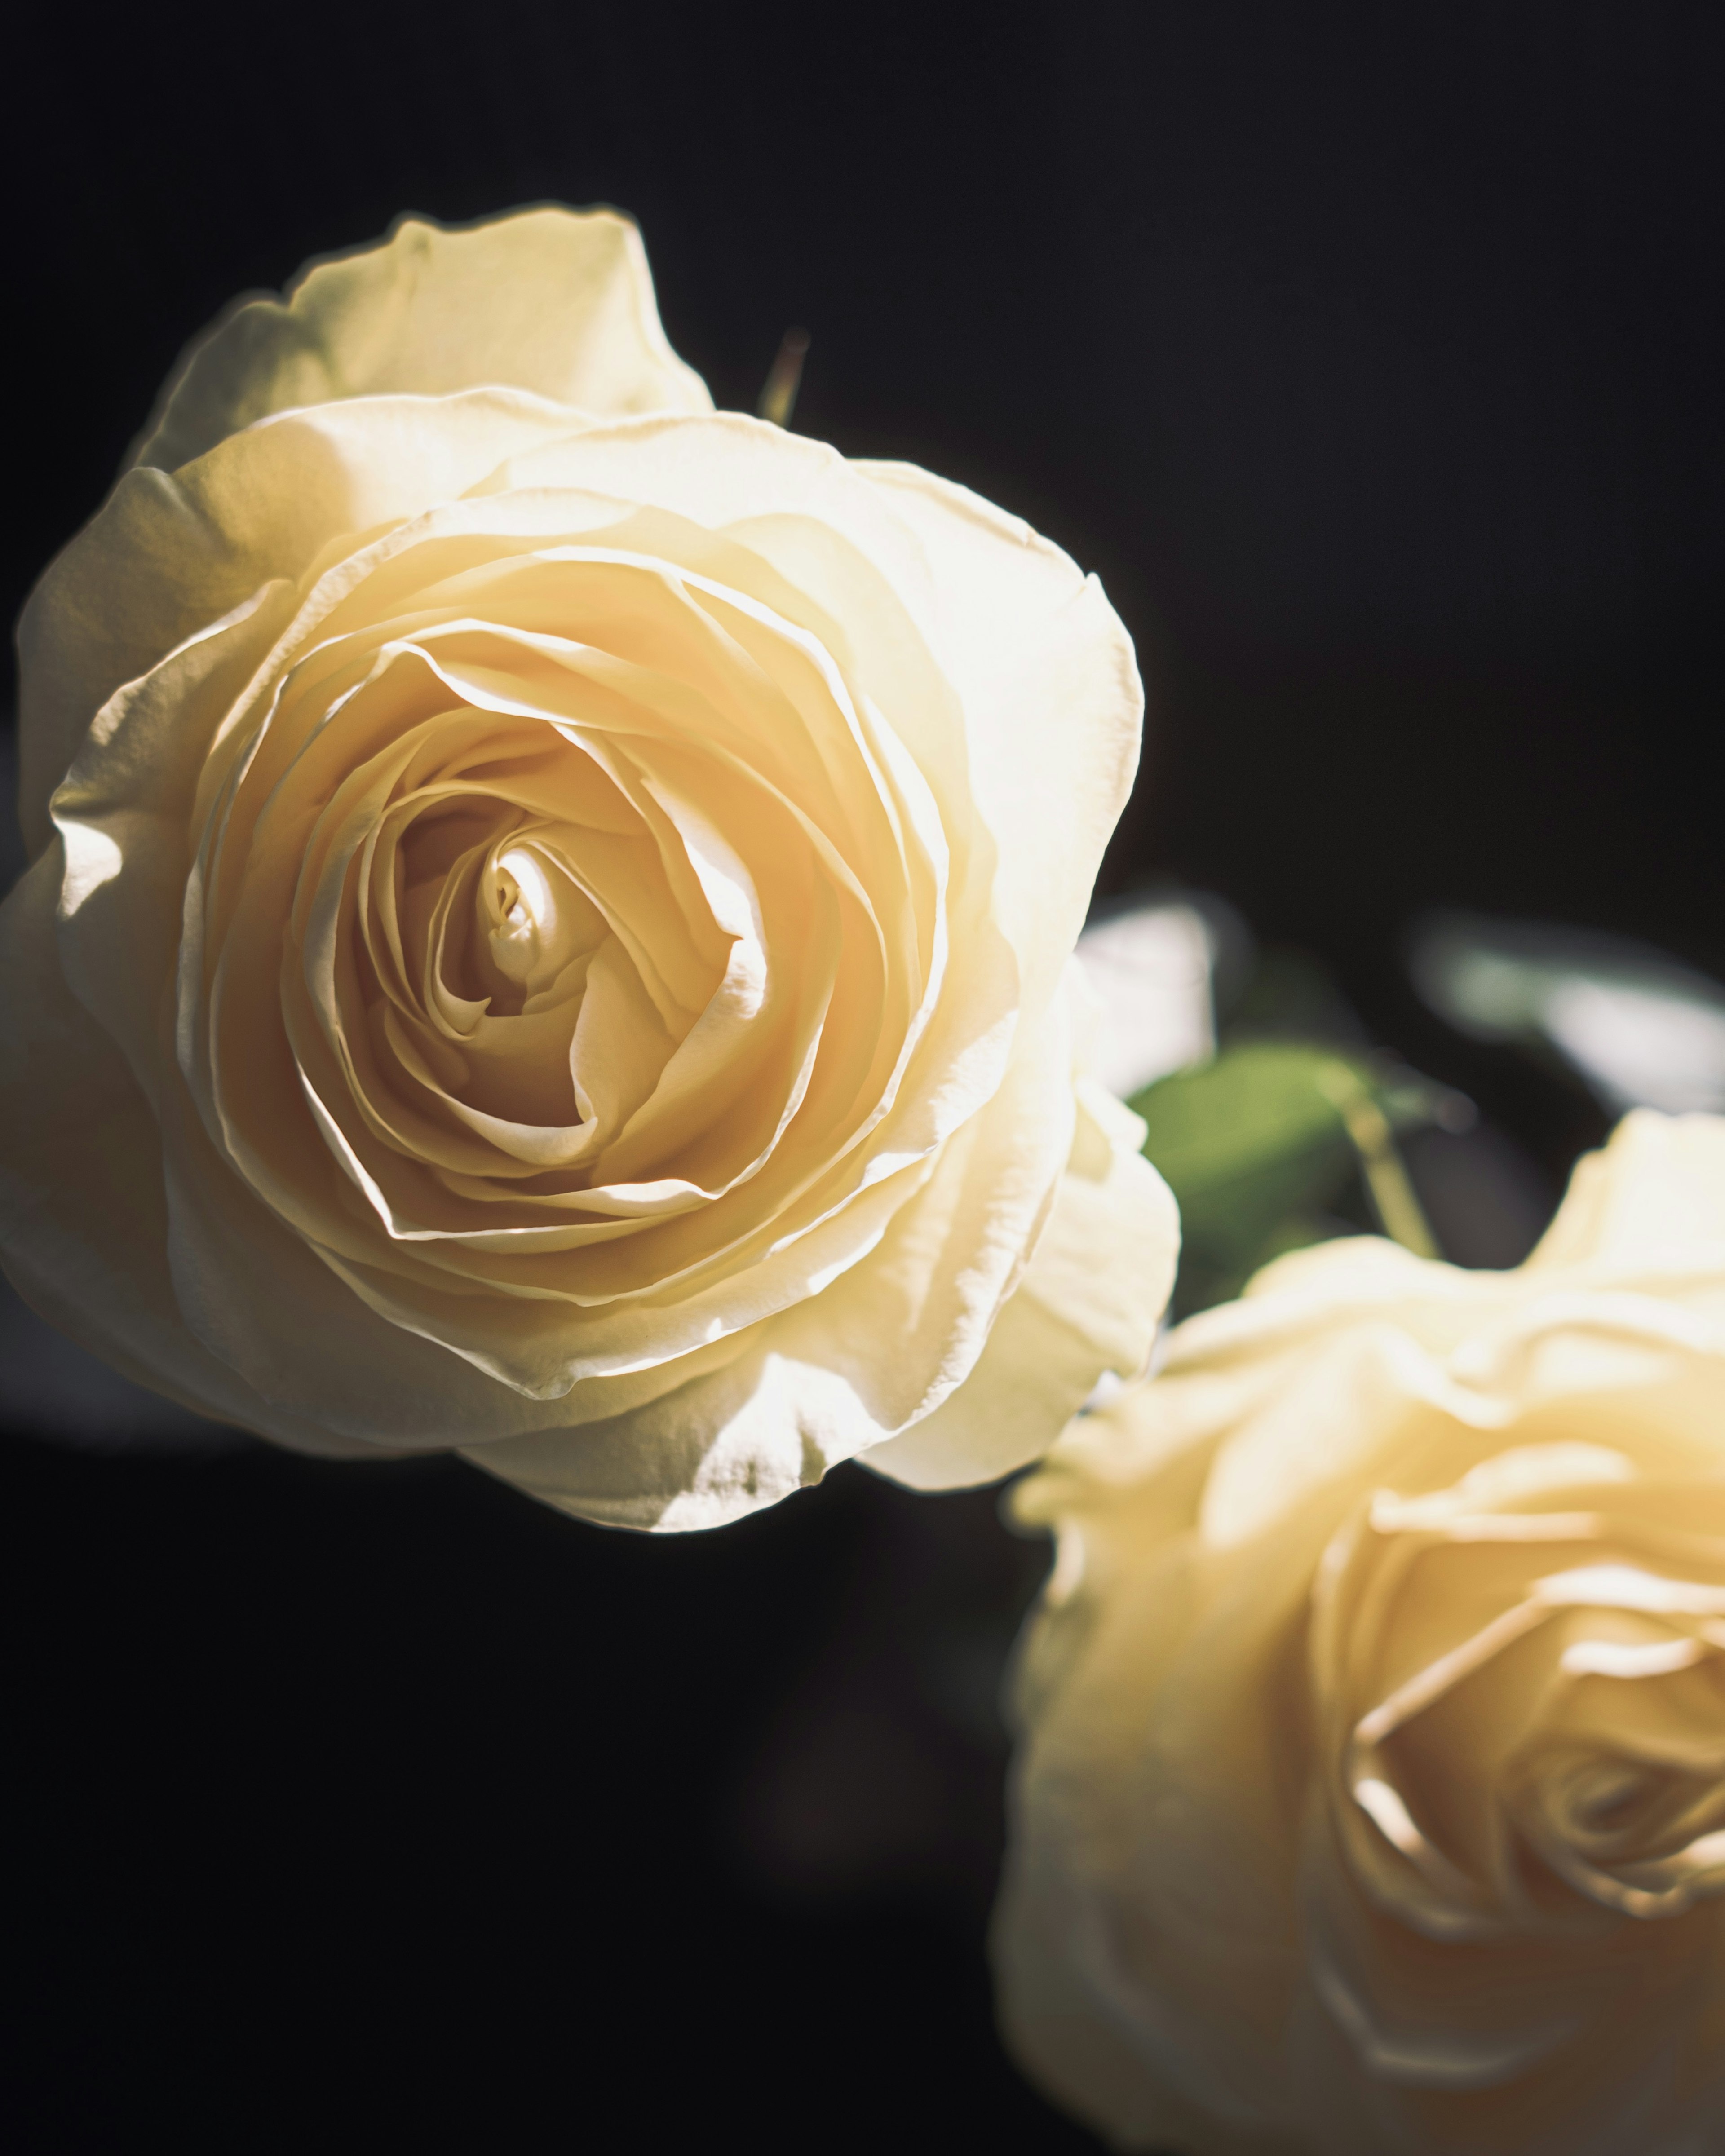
1257	1145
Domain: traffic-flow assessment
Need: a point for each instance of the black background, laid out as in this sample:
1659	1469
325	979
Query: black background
1372	357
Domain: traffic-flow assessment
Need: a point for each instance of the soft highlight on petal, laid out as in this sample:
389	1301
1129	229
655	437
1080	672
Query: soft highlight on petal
556	301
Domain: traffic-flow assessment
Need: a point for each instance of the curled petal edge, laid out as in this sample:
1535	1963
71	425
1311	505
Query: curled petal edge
1089	1301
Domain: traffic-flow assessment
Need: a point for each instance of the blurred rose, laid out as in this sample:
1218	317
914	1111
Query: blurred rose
1373	1795
550	909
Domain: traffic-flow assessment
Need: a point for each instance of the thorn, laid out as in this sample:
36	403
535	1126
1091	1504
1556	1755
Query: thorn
779	398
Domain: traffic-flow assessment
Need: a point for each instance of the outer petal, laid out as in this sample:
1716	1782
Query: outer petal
167	556
556	302
1080	1965
1045	671
1652	1199
1090	1301
1071	2032
123	813
83	1217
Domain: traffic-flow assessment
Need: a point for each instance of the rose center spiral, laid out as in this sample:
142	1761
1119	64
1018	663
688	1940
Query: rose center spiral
533	920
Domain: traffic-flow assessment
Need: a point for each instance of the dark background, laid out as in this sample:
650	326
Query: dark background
1372	356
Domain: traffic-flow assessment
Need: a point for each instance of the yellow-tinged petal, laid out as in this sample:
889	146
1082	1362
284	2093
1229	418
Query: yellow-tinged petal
556	302
1053	705
1652	1201
1088	1303
83	1216
168	556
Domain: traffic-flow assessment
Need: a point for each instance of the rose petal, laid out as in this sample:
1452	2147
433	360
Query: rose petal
556	302
84	1232
1046	674
169	555
1089	1301
1652	1201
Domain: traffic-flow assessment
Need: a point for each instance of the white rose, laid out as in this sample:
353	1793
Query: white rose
550	909
1373	1792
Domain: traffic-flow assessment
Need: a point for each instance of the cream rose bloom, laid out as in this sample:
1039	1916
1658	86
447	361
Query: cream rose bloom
549	927
1372	1791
